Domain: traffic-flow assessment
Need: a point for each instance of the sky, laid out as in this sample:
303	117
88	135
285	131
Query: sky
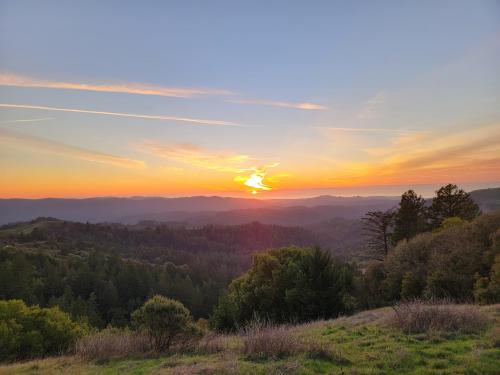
258	98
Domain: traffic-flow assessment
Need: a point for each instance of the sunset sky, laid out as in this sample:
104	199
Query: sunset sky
280	98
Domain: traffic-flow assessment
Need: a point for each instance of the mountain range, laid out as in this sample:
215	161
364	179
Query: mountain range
201	210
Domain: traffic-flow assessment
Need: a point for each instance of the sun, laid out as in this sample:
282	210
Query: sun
255	181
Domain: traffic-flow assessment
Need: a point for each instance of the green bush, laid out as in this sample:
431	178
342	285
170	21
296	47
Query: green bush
31	331
487	289
165	321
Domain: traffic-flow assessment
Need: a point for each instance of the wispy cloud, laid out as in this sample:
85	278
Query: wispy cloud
17	139
18	80
25	120
434	156
188	153
275	103
192	121
371	108
382	130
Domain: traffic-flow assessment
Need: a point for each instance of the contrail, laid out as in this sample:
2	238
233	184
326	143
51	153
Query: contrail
130	115
27	120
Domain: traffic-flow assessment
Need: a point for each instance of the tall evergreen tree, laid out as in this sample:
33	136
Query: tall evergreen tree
450	201
410	219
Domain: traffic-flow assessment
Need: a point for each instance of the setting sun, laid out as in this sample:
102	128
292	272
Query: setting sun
255	181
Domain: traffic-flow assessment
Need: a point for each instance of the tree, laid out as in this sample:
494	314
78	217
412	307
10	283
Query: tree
287	285
377	225
410	219
164	320
456	262
450	201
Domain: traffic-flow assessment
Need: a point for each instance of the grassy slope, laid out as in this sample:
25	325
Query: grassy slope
363	345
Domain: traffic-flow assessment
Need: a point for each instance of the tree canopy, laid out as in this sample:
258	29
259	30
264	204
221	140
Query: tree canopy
450	201
410	218
287	285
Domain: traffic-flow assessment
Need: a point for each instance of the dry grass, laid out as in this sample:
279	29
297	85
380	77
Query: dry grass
212	343
437	317
113	343
264	340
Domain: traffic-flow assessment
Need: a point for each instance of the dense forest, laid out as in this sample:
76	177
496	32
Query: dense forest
103	272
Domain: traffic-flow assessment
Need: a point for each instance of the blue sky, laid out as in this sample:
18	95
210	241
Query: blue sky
333	91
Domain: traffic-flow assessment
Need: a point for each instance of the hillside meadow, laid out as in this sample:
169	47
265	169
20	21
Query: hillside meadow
365	343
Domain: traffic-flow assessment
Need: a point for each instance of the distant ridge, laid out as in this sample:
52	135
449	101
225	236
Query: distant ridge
200	210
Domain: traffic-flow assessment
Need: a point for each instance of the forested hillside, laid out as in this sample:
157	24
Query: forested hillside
104	271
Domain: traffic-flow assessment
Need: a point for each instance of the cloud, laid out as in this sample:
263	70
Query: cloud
371	108
26	120
192	121
194	155
435	156
401	143
382	130
13	138
454	154
17	80
272	103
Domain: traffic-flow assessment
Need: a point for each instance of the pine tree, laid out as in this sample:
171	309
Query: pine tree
410	219
450	201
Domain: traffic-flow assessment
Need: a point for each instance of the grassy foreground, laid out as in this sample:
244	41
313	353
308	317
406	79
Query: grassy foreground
362	344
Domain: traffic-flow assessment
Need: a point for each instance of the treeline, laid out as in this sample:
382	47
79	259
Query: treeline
99	289
150	241
415	215
102	272
459	261
437	249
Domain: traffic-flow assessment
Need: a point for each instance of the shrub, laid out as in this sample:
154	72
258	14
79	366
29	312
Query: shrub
427	317
31	331
165	321
264	340
112	343
487	289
